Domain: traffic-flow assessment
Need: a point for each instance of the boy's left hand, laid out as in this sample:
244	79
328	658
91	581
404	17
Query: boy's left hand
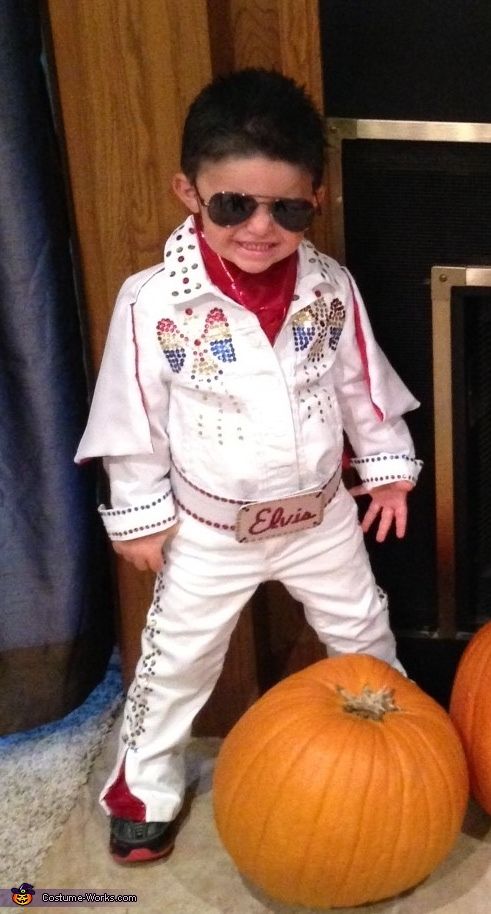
390	502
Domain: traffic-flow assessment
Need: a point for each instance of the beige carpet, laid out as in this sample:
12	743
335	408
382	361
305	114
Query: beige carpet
199	878
41	773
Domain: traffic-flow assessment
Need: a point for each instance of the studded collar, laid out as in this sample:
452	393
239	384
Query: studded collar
188	279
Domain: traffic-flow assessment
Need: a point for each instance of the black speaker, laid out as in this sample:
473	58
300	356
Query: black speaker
471	384
407	207
407	59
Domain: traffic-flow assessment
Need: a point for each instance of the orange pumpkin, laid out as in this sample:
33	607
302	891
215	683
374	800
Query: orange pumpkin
344	784
470	710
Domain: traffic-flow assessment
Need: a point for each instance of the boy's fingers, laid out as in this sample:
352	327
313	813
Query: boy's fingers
138	563
385	524
143	560
370	515
367	523
156	564
401	521
156	560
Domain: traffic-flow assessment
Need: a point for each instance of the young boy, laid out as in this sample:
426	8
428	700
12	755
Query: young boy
230	372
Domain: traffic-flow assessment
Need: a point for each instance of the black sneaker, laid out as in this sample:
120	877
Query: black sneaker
137	842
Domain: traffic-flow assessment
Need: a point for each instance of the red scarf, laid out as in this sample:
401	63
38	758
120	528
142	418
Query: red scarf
268	294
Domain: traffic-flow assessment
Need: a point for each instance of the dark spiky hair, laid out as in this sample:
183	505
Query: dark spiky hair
254	112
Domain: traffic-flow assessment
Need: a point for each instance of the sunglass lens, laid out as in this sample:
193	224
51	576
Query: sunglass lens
230	209
293	215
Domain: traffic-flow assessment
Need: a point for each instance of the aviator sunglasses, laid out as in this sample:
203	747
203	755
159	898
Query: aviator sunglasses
227	208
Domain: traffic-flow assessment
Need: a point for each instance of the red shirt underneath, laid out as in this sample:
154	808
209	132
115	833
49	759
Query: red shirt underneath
268	294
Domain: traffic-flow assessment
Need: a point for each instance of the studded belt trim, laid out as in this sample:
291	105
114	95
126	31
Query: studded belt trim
221	513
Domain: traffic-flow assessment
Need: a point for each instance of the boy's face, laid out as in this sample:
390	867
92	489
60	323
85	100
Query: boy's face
258	242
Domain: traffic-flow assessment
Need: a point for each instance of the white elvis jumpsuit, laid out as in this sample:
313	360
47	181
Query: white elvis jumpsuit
195	412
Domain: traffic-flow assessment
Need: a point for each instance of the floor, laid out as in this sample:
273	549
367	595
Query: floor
199	877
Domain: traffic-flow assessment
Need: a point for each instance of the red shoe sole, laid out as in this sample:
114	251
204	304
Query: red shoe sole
142	855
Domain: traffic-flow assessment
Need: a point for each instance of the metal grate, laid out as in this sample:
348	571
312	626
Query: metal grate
471	331
408	206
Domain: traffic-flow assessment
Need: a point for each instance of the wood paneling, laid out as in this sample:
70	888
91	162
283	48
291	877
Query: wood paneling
126	73
299	42
127	70
244	33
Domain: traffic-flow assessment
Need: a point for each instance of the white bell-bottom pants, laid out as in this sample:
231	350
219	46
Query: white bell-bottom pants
207	579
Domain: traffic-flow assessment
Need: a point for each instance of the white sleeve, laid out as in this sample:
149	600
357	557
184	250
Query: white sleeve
373	400
141	497
127	428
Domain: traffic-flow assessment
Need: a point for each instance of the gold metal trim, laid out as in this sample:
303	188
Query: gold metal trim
340	128
335	192
443	279
435	131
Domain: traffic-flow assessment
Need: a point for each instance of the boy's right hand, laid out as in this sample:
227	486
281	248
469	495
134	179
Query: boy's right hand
145	552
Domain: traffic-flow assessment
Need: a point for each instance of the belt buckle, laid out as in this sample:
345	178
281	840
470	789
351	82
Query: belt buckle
260	520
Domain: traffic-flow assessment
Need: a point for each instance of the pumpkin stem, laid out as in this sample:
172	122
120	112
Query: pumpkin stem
369	704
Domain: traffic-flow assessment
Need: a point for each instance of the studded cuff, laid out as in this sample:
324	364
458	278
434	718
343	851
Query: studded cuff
380	469
152	516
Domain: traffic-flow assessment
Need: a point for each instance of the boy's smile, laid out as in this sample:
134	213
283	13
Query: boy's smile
259	241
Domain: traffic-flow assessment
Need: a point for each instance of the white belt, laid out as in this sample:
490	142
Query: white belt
250	521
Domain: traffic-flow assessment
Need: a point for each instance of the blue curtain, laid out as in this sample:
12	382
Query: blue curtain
55	590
